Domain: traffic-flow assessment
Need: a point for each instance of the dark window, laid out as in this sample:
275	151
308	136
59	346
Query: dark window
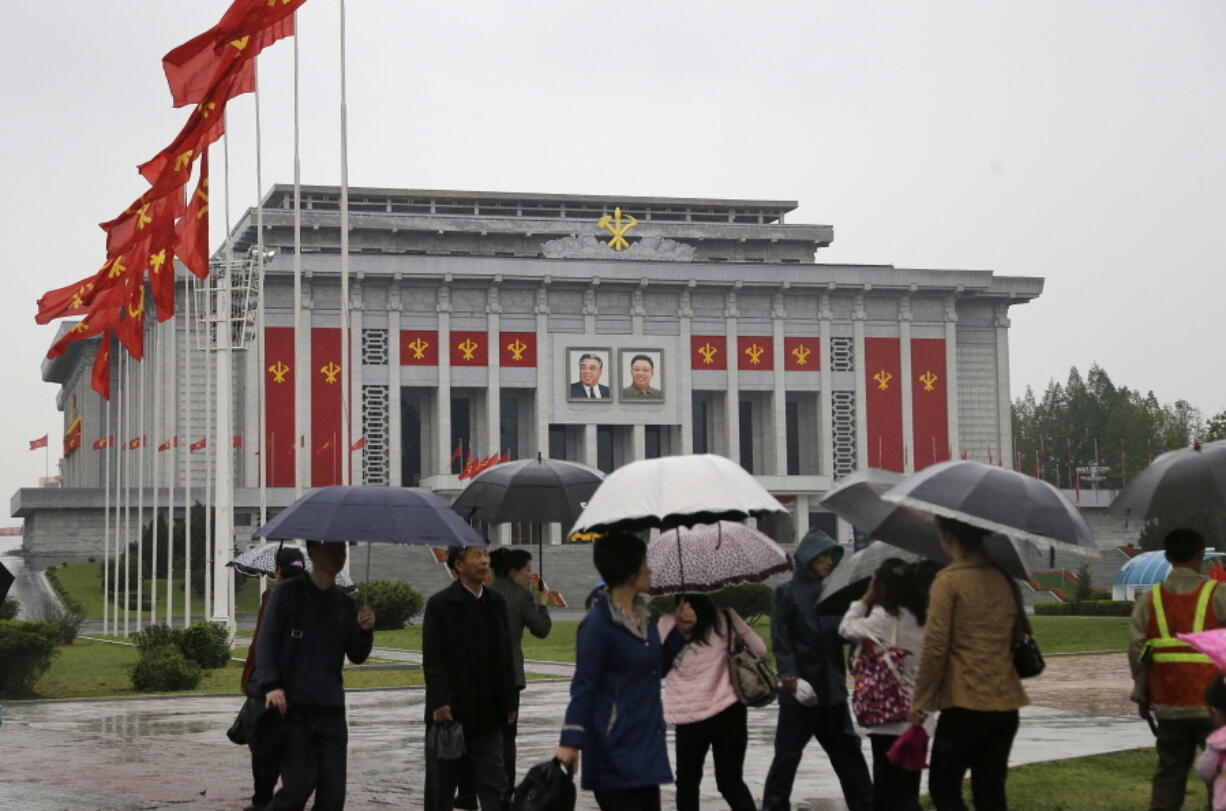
826	522
410	441
652	440
793	437
557	442
460	431
701	410
509	425
747	435
604	448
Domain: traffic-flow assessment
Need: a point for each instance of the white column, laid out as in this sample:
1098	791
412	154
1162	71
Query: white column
356	391
493	389
685	384
777	458
857	325
544	374
908	406
303	442
732	397
1004	416
223	455
251	418
638	442
951	374
802	515
825	398
394	427
442	439
589	444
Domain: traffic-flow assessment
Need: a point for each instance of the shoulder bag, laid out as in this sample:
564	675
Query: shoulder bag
1027	658
254	711
753	681
881	694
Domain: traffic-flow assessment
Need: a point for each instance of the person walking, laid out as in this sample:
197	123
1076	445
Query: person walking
470	680
527	608
615	714
807	646
966	673
699	700
267	739
889	619
309	627
1169	678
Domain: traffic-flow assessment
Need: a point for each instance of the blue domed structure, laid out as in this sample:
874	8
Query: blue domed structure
1142	572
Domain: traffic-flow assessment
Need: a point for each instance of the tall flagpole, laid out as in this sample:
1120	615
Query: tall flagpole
223	454
127	499
140	487
115	536
188	403
261	443
347	379
106	490
300	380
156	402
170	391
208	313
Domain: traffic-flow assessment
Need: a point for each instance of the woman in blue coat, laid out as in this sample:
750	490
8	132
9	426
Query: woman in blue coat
615	714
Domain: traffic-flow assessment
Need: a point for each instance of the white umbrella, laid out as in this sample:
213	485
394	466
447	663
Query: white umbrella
708	557
262	560
675	491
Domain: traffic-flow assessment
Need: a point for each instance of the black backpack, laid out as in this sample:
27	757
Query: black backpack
546	787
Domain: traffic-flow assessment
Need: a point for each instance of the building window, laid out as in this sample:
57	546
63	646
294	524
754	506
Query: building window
375	430
460	430
653	441
410	441
508	417
792	414
746	410
843	405
604	448
700	425
557	442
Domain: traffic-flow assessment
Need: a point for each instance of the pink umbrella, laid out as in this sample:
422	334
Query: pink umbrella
708	557
1211	643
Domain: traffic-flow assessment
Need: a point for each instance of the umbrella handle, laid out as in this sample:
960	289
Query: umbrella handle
366	591
680	560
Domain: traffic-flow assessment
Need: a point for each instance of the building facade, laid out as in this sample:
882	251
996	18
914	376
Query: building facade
597	329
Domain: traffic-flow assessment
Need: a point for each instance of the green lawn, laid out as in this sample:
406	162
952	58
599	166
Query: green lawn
1115	782
82	582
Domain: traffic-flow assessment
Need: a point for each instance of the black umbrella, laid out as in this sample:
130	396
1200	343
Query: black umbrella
530	490
1182	487
849	580
6	581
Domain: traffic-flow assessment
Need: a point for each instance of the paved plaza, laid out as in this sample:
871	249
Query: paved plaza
149	753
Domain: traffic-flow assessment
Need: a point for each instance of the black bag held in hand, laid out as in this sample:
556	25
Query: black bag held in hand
753	681
249	716
254	710
546	787
1027	658
446	741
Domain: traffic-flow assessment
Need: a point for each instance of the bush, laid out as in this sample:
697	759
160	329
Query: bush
26	651
206	644
165	668
155	636
1088	608
9	608
67	615
394	602
1084	590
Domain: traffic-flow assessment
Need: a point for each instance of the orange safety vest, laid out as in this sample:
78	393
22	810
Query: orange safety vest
1179	675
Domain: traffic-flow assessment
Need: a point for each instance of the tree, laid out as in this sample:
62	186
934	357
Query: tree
1215	429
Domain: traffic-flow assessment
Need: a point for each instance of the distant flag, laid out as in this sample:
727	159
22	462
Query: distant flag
192	229
359	444
41	442
173	442
100	377
990	462
965	456
458	453
237	441
198	445
104	443
135	443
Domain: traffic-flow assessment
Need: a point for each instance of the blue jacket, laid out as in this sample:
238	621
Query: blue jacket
805	643
615	714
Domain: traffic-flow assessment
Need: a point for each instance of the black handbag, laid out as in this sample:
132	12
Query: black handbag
446	741
254	710
546	787
1027	658
249	716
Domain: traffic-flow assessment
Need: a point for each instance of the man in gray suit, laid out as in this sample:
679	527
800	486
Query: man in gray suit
642	370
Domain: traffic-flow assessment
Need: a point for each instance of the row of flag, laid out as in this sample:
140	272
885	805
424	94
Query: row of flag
143	241
475	464
138	442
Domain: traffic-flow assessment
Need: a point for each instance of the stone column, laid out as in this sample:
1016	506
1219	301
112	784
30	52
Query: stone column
304	442
589	310
778	458
636	309
544	371
252	441
857	325
638	442
908	406
394	427
825	398
355	459
951	374
685	389
589	444
441	463
493	389
802	515
732	397
1004	415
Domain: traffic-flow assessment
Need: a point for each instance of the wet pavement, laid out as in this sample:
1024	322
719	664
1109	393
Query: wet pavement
172	752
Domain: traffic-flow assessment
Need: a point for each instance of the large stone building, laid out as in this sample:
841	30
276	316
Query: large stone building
472	314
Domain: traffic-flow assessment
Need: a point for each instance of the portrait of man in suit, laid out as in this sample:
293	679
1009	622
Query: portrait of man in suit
588	366
639	371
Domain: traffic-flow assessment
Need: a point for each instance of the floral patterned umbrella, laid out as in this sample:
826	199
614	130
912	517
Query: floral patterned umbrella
262	560
707	557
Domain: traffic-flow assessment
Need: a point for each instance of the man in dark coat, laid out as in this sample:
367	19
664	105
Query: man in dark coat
470	679
807	646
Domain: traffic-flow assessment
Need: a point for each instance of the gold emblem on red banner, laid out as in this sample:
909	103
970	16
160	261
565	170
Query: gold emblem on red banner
279	371
517	350
883	379
802	353
708	352
468	348
929	380
755	352
418	348
330	372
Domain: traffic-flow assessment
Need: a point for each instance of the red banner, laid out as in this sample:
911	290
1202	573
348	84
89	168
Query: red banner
883	382
278	449
929	401
72	439
326	380
802	355
418	347
517	349
755	353
709	352
469	349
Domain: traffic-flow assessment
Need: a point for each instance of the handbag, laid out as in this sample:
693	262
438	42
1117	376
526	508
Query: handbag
546	787
1027	658
254	710
910	751
242	730
753	681
881	694
446	741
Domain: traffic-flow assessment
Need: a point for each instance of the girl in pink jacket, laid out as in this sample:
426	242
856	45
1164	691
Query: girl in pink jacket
699	700
1211	765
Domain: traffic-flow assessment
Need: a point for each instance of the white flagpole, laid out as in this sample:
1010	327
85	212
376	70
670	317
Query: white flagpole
223	454
300	380
103	346
186	411
116	446
127	500
140	491
170	379
156	402
348	376
261	445
209	320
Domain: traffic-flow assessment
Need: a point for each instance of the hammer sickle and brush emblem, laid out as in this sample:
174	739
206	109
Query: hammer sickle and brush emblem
929	380
468	348
802	353
614	226
517	350
883	379
330	371
418	348
708	352
755	351
279	371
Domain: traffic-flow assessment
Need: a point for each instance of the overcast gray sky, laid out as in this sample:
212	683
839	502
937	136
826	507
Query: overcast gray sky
1081	142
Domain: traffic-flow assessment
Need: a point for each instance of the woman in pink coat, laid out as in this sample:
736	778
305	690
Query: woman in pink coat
1211	765
699	700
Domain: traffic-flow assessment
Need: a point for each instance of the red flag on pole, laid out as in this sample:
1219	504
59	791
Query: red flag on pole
100	377
104	443
359	444
458	453
192	229
198	445
41	442
237	441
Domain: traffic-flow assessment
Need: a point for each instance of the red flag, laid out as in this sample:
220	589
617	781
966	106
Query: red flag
965	456
103	444
1076	486
134	443
173	442
470	469
506	457
74	299
102	316
131	330
198	445
41	442
192	229
72	438
458	453
359	444
148	213
237	441
100	378
161	264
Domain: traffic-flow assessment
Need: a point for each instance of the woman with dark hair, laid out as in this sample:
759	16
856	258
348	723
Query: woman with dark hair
890	617
700	701
966	672
615	715
526	608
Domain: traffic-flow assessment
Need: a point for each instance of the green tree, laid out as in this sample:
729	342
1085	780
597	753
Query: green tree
1215	428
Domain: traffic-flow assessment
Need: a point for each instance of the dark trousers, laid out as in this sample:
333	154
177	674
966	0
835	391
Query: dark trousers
726	734
894	788
266	746
313	760
978	740
483	762
833	730
630	799
1178	740
508	745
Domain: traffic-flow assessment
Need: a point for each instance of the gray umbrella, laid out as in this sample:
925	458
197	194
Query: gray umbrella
1003	501
858	499
262	561
849	579
1183	487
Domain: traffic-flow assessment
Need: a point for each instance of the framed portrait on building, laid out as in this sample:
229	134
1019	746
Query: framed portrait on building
642	376
589	375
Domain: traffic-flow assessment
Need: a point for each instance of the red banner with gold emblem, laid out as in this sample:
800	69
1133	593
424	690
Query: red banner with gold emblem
279	439
929	401
517	349
469	348
755	353
709	353
883	382
802	355
327	376
72	438
418	347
